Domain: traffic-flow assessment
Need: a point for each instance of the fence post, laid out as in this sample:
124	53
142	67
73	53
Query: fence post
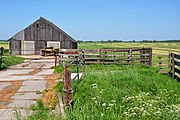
150	57
1	54
55	58
67	87
172	65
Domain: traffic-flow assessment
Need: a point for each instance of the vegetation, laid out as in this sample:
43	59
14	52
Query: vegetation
10	60
122	91
125	92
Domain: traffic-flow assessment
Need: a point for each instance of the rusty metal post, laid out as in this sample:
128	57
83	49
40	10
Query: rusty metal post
67	87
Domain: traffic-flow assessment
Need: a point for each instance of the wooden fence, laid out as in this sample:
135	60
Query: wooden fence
175	66
70	84
119	56
66	55
1	54
163	63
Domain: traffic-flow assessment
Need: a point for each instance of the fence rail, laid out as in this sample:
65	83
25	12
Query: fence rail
66	55
71	83
175	66
1	54
119	56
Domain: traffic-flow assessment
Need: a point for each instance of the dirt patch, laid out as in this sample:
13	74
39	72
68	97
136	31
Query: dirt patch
49	97
51	80
6	93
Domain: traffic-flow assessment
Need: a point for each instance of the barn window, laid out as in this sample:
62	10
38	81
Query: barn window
37	25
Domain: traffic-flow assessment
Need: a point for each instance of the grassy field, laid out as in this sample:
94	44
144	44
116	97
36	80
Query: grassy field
114	92
158	48
4	45
126	92
122	91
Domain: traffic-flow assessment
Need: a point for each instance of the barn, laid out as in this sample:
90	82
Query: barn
40	34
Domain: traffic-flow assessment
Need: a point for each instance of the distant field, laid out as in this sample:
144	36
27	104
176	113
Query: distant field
158	48
4	45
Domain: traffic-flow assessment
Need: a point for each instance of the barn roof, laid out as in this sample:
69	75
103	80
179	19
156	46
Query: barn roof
50	23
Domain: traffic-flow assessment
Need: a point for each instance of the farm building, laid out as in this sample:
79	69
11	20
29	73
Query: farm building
42	33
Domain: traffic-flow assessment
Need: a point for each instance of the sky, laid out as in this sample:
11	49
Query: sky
96	19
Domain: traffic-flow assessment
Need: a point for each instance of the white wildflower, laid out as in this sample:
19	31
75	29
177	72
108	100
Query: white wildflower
111	104
95	101
113	101
102	114
104	104
94	84
134	113
93	98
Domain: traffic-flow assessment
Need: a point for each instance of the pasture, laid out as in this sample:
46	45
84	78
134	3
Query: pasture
121	91
126	91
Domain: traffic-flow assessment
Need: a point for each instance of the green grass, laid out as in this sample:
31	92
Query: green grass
125	92
10	60
122	91
4	44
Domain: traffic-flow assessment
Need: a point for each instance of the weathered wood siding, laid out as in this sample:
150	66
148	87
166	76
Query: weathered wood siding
42	31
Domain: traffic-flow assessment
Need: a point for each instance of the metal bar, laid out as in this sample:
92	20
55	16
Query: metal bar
72	80
77	66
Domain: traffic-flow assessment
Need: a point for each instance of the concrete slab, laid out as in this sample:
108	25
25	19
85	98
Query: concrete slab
10	114
44	61
4	85
33	86
21	103
10	72
21	78
48	65
5	114
22	65
26	96
34	65
45	72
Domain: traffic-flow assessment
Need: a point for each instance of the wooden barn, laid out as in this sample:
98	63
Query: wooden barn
42	33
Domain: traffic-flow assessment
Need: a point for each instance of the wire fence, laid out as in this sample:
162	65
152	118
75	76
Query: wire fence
76	68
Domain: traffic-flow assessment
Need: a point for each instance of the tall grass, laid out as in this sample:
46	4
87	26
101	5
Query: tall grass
125	92
10	60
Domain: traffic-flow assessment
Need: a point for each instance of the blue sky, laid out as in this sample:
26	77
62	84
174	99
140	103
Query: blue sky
96	19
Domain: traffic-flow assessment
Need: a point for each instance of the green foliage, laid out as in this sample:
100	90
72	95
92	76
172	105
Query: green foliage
10	60
104	89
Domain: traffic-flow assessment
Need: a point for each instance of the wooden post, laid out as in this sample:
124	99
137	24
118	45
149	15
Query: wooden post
173	65
55	60
150	57
1	54
67	87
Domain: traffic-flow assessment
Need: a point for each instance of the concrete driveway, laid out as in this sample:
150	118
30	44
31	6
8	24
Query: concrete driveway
21	84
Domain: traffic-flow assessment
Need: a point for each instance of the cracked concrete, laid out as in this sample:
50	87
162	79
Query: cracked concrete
32	84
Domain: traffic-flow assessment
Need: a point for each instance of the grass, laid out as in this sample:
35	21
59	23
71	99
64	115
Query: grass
10	60
158	48
122	91
125	92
